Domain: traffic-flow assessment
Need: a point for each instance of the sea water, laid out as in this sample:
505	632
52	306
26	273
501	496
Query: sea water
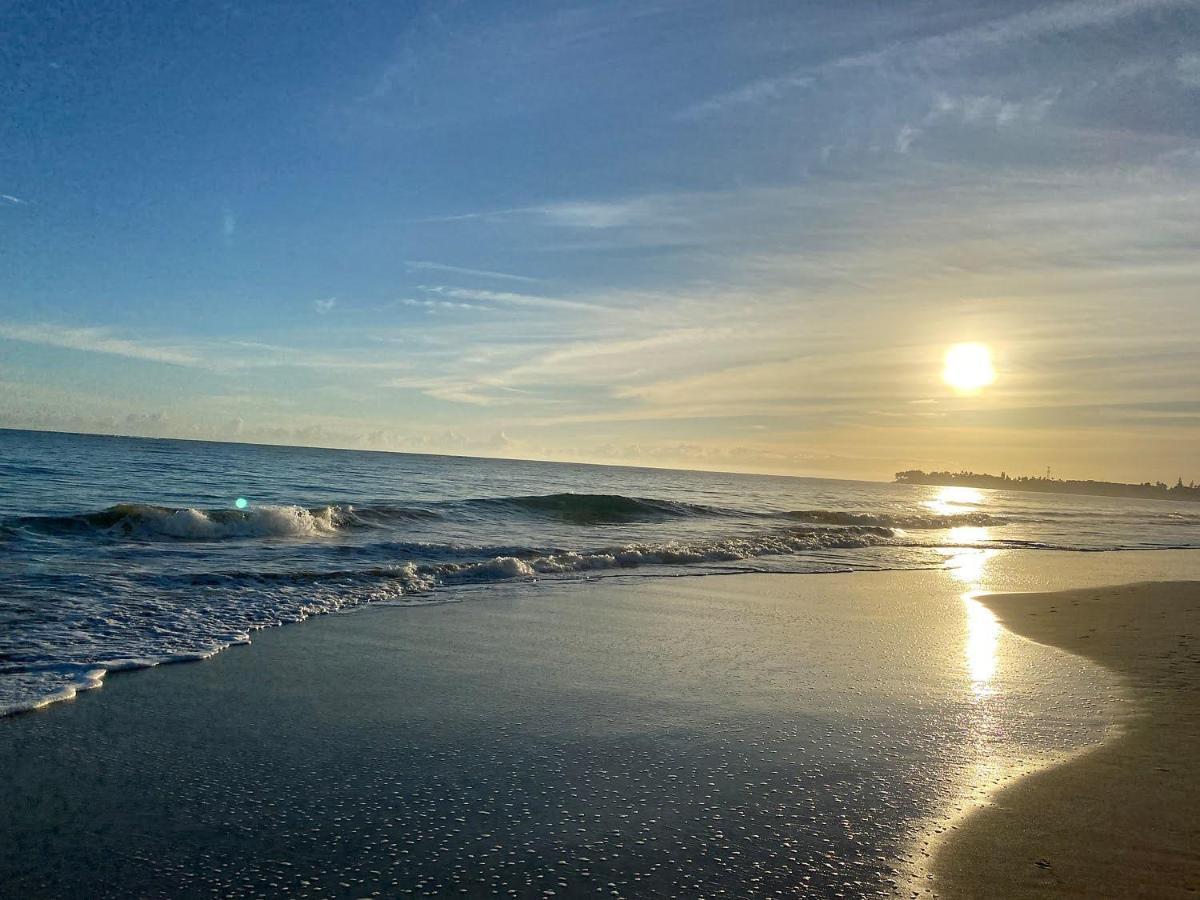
119	553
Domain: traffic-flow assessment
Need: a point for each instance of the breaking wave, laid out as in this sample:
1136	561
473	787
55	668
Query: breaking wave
486	564
138	521
147	522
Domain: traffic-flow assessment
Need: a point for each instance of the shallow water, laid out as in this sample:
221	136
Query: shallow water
120	553
738	736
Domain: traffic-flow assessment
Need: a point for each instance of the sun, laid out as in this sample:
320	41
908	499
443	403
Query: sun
968	368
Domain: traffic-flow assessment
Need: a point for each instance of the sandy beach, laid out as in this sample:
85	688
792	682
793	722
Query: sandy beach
746	734
1122	820
683	449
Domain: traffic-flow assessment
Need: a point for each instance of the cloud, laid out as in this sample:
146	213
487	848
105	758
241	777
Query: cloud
216	356
258	355
979	110
939	50
13	201
582	215
324	306
459	270
987	110
596	214
1187	69
443	304
756	92
905	138
511	299
96	340
452	390
608	362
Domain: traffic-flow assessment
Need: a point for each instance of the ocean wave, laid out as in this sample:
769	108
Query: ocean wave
600	509
896	520
148	522
502	564
666	554
140	521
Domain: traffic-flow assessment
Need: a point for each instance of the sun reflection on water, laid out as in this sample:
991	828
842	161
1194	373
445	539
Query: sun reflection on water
954	499
968	534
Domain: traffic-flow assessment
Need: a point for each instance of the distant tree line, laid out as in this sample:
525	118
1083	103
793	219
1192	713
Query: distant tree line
1156	490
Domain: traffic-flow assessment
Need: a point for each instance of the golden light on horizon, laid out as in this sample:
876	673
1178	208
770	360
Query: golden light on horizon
968	368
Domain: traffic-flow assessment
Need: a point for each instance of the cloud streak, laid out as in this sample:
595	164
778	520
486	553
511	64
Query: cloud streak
940	50
424	265
509	298
97	340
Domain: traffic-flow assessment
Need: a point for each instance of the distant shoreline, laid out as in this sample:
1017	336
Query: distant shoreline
1147	491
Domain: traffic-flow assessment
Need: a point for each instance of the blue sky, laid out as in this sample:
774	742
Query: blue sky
712	235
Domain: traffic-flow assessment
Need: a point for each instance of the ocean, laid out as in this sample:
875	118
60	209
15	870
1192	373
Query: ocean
120	553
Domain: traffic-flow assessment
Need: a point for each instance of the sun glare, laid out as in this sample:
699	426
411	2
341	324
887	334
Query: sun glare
968	368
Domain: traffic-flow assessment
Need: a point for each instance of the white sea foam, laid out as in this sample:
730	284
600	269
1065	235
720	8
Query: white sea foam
159	620
199	524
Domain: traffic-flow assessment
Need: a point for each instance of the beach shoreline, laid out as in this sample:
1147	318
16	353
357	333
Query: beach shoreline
1120	820
664	735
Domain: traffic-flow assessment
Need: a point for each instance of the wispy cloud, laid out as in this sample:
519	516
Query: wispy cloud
980	110
97	340
325	305
596	214
256	355
10	200
426	303
939	50
511	299
454	390
755	92
1187	69
424	265
997	111
219	356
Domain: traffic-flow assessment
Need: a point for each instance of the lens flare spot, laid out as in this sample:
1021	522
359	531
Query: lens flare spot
241	502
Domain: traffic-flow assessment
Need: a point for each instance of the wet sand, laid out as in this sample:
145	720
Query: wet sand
747	735
1122	820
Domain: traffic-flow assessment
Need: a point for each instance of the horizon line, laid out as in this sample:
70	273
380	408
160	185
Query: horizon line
556	462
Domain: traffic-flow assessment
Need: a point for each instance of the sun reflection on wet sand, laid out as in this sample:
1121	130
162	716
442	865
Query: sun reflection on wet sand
982	770
983	631
1011	719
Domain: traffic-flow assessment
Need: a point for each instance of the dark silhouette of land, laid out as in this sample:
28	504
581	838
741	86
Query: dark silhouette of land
1046	485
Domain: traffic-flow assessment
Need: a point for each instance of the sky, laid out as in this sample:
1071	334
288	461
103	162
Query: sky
713	235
